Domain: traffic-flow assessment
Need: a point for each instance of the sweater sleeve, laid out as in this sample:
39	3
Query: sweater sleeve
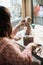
13	55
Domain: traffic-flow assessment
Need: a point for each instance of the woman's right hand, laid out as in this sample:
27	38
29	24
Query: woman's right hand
31	46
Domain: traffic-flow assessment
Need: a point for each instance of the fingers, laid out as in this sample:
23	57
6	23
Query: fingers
31	46
26	21
23	20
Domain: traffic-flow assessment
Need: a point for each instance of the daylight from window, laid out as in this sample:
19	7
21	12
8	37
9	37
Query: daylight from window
15	7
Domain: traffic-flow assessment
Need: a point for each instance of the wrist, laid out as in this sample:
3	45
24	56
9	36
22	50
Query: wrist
29	47
18	25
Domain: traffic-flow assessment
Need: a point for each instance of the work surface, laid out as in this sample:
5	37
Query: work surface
37	34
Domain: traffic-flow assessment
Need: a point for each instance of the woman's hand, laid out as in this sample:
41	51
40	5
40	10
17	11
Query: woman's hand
17	38
17	27
22	22
31	46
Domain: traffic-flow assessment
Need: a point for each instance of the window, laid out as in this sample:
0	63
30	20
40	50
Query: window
37	11
15	7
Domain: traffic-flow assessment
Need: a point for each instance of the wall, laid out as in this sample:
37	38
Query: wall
30	7
26	8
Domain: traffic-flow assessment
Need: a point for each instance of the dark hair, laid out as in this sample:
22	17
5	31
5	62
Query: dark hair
5	24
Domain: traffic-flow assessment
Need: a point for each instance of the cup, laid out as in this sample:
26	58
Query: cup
33	26
27	39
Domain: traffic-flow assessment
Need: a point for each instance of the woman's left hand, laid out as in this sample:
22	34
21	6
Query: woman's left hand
22	22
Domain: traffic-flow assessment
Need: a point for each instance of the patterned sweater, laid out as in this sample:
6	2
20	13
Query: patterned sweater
10	53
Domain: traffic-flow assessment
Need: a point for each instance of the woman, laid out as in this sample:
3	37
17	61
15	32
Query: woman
10	53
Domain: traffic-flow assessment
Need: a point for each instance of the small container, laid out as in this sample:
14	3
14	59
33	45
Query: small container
33	26
28	31
27	39
28	22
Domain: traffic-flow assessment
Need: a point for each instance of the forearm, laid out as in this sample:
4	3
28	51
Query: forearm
25	56
16	29
27	52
